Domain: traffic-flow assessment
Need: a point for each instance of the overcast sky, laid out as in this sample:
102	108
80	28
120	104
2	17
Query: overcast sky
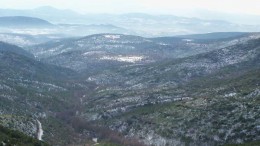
148	6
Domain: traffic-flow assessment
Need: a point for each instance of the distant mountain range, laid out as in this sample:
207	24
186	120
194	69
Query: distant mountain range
134	23
24	25
238	18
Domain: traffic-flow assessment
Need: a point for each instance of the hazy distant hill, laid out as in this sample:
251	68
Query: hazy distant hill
213	36
22	21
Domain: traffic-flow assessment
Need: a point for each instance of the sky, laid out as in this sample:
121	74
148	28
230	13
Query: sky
147	6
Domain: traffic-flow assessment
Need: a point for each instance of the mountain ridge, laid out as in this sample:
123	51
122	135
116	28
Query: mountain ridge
22	21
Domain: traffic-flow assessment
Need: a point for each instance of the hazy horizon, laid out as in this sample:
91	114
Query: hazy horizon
193	17
184	7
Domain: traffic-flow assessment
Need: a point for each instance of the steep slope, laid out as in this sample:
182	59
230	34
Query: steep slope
18	59
217	112
11	137
4	47
32	92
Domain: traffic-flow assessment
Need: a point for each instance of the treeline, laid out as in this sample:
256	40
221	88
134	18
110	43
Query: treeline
102	133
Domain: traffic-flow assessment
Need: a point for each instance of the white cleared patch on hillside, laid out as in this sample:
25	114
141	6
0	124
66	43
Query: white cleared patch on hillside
112	36
130	59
